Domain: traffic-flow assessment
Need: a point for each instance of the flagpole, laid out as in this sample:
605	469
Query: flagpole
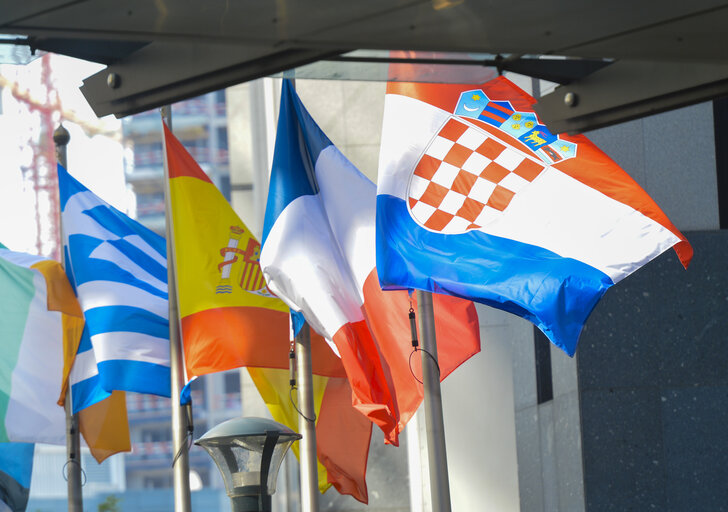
437	454
180	447
307	422
61	137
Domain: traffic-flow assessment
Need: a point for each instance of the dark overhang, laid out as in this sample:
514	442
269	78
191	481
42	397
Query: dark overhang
660	54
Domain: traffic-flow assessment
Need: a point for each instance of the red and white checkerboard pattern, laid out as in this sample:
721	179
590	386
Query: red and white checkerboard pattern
466	179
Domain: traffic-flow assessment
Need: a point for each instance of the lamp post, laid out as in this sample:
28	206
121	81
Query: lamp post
248	452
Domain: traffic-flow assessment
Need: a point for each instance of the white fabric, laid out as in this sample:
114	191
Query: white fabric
95	294
614	238
120	345
321	248
33	414
349	199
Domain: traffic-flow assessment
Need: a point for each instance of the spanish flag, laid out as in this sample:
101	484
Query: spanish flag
230	319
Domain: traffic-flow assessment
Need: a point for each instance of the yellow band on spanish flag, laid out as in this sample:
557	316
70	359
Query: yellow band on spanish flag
229	318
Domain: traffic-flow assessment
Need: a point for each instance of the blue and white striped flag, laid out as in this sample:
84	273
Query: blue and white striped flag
119	271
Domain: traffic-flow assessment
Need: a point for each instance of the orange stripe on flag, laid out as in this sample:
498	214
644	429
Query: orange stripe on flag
592	167
212	342
372	396
177	159
104	425
342	440
221	331
456	328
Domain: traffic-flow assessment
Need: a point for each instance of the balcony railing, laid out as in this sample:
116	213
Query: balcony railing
160	451
150	209
152	448
200	154
139	403
226	401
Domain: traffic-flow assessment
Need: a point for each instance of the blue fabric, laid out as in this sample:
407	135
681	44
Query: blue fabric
16	468
87	392
126	319
557	294
297	320
129	254
16	459
112	219
299	141
185	396
134	375
291	174
81	247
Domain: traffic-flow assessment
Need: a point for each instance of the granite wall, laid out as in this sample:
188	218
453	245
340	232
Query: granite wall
653	386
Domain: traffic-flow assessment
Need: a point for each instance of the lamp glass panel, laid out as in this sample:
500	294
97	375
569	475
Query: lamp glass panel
239	460
240	468
275	463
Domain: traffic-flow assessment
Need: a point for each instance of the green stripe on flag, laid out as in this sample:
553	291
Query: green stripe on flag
16	293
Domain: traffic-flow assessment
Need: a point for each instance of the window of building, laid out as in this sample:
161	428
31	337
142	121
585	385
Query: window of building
223	184
222	137
720	120
232	382
147	153
156	434
158	482
544	381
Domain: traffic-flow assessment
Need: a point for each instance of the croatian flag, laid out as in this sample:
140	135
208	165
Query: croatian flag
318	255
118	269
499	210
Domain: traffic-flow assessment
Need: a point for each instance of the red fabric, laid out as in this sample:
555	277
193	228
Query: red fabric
591	166
212	342
179	161
372	394
342	440
376	353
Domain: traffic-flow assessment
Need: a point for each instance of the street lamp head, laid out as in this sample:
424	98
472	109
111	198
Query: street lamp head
248	452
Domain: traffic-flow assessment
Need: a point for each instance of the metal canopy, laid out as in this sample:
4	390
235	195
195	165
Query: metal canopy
665	53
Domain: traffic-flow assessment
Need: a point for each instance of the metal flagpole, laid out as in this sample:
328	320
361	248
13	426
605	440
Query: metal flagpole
61	137
307	419
437	455
307	422
181	461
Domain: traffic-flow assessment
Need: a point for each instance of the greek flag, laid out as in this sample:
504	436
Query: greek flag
118	269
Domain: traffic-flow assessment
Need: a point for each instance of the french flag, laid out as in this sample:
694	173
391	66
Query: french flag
318	255
567	233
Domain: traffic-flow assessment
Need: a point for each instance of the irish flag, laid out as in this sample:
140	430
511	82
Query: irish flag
230	319
35	307
40	328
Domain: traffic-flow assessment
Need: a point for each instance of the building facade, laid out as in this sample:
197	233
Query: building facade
201	125
634	422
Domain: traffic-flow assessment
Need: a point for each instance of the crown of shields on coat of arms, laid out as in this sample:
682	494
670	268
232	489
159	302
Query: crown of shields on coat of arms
466	178
240	266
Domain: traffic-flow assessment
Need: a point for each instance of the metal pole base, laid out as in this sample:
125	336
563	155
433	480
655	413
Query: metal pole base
251	503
